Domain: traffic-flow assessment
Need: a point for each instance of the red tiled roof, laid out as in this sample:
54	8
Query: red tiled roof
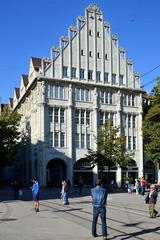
25	79
17	91
36	62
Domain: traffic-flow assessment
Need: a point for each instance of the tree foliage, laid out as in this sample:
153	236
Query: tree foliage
111	150
151	126
9	134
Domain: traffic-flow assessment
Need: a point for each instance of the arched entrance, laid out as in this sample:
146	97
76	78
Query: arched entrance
55	172
149	171
85	170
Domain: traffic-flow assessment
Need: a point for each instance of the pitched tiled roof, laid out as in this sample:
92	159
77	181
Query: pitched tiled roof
25	79
36	62
17	91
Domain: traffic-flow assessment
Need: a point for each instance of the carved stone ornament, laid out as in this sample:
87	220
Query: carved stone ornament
94	8
81	18
121	49
114	37
106	25
64	38
73	28
137	74
55	49
129	62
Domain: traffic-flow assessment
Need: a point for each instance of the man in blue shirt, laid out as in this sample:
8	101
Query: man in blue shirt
99	198
35	194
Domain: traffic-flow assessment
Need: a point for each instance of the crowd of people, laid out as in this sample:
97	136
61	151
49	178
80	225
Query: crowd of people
99	197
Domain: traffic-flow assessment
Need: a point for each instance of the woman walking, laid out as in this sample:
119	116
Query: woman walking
152	201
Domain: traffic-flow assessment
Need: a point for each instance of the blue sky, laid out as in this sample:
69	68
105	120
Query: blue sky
31	27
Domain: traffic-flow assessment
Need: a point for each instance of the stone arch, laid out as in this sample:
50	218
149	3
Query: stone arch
55	172
82	168
149	171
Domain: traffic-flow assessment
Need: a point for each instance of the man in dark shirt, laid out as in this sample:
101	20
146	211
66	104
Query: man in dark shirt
99	197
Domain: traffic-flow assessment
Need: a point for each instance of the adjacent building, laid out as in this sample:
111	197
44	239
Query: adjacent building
66	98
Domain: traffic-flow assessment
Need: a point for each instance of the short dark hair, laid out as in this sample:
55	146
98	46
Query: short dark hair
99	182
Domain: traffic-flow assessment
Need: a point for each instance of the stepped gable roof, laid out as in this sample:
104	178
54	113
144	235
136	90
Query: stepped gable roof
25	79
17	91
36	62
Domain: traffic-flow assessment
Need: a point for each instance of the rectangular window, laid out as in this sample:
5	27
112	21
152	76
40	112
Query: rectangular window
112	118
56	111
56	91
56	139
134	143
50	91
101	97
50	139
98	76
77	140
106	97
106	79
88	144
101	118
82	94
133	100
82	117
129	143
90	53
124	100
77	116
129	121
134	121
87	95
65	71
50	114
98	55
81	73
106	116
82	140
98	34
77	94
61	92
114	78
88	118
90	33
129	100
73	73
90	75
62	139
121	80
106	56
111	98
62	115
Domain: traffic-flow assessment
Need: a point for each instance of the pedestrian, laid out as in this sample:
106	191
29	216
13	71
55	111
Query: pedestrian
35	194
136	186
143	184
99	198
64	192
152	201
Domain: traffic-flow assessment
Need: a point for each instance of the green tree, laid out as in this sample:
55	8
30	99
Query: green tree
111	150
151	126
9	135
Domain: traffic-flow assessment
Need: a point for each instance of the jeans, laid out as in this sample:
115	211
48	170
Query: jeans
142	190
102	212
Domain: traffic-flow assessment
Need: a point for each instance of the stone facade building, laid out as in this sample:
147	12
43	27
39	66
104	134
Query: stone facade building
66	98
